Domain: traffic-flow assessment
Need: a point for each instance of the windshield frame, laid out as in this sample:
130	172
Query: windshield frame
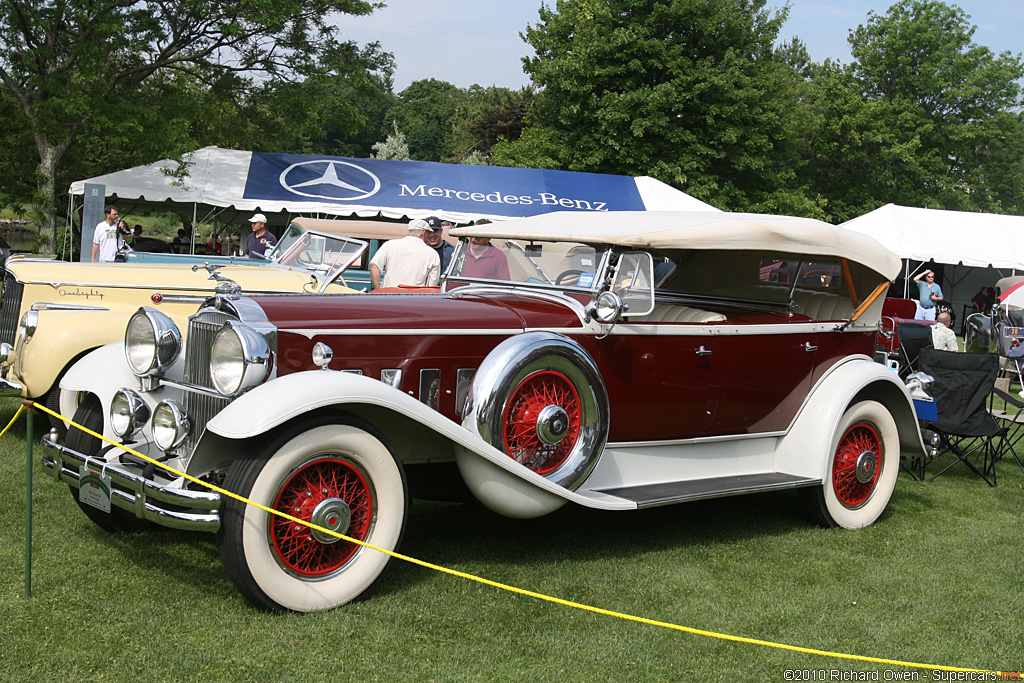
287	257
526	253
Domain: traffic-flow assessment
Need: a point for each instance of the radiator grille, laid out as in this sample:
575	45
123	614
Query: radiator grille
201	407
10	307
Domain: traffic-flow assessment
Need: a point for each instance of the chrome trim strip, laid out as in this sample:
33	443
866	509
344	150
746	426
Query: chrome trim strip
182	299
137	494
48	306
620	328
700	439
502	332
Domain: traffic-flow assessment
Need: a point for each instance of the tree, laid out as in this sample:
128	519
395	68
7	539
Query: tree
489	115
86	73
393	147
921	117
682	90
425	111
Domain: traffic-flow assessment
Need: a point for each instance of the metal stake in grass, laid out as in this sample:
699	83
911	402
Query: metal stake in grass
28	501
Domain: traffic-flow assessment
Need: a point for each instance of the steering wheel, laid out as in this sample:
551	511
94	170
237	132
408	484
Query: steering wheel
567	273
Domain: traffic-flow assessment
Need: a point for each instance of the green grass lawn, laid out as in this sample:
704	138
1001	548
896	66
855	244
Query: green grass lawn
938	580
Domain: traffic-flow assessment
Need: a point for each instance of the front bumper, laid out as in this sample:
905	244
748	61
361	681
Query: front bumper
11	388
167	506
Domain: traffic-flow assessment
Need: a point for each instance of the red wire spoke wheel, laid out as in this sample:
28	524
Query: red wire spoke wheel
542	421
331	493
855	467
334	471
859	475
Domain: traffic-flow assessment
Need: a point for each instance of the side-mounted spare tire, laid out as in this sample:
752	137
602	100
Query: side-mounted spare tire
539	397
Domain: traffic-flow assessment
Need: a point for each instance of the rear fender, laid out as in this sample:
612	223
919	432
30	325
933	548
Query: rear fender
806	448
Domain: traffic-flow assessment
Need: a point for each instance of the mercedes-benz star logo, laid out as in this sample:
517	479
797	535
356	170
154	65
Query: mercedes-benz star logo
330	179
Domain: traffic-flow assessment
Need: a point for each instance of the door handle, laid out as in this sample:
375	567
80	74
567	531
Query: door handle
808	347
703	352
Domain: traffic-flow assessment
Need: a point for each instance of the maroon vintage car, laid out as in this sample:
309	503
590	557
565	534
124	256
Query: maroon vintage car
611	360
895	312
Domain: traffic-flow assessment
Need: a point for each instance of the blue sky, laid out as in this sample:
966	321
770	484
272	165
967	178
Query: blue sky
468	42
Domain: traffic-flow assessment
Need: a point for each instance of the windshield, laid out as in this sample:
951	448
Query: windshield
325	256
289	237
570	265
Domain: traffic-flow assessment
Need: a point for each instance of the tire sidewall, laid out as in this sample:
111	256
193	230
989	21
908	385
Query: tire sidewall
876	415
384	476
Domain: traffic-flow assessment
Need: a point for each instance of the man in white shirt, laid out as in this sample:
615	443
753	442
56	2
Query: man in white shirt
943	338
104	238
408	261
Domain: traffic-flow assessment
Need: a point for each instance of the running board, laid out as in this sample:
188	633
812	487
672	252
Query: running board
653	495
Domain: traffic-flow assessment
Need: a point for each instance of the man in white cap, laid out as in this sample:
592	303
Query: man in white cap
408	261
260	240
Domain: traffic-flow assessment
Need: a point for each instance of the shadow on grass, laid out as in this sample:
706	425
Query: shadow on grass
471	533
182	559
455	535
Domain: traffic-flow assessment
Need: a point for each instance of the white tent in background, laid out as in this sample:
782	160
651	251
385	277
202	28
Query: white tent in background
977	248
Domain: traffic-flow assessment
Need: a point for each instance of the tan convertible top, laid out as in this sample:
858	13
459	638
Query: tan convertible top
696	230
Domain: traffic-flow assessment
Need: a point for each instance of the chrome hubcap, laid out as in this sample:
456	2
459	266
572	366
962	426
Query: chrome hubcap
867	463
552	424
333	514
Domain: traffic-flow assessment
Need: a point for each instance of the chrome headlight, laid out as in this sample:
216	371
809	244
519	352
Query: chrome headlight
170	425
128	412
28	324
151	342
239	358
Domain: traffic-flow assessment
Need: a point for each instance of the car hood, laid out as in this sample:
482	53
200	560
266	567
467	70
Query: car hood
419	313
167	277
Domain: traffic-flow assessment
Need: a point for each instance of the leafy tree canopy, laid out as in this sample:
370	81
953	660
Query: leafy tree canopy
921	117
96	74
682	90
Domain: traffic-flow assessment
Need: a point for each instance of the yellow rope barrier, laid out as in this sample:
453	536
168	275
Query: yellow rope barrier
522	591
14	419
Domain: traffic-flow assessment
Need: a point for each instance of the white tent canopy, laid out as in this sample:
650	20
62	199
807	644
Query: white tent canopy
977	248
951	237
228	183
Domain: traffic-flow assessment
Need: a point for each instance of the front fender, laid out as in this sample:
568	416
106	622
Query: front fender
60	337
289	397
806	448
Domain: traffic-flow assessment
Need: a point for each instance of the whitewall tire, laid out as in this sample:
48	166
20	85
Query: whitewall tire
861	471
340	475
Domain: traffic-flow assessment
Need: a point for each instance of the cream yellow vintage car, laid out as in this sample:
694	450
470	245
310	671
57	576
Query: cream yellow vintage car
55	312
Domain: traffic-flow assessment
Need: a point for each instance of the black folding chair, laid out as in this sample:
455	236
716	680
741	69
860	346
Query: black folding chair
963	383
912	338
1011	416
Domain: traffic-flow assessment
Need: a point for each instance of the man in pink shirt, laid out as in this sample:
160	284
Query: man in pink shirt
484	260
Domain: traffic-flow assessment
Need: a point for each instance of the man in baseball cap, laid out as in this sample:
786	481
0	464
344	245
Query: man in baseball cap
260	240
434	237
